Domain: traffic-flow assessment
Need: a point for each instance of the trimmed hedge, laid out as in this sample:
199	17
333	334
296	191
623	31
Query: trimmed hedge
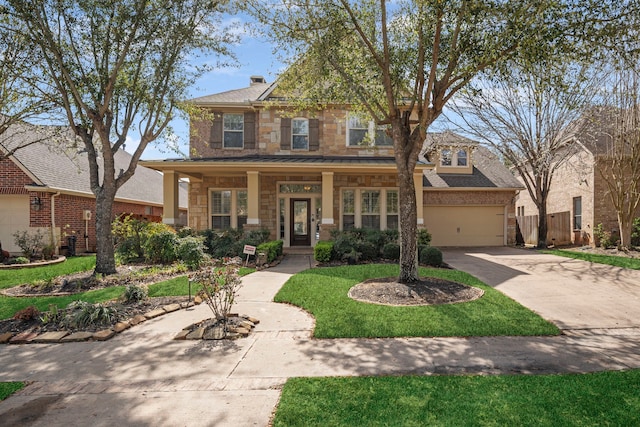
323	251
273	249
431	256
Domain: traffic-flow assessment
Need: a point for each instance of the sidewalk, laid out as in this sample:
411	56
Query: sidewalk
143	377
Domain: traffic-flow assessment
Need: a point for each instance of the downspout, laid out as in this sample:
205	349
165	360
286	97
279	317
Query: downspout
53	221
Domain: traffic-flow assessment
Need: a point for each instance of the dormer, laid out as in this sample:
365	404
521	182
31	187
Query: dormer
450	153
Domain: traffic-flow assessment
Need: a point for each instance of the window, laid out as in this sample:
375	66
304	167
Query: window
362	132
348	210
461	158
577	213
445	157
358	130
228	209
520	211
233	130
300	134
370	209
392	209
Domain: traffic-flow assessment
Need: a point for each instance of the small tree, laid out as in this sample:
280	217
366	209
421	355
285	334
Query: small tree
219	288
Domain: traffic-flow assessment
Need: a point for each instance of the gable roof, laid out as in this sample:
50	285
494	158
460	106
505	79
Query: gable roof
54	161
236	96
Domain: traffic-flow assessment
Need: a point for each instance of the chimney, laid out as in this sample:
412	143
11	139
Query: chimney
256	79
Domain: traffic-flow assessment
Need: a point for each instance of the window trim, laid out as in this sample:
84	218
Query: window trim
371	132
224	131
577	217
358	205
454	157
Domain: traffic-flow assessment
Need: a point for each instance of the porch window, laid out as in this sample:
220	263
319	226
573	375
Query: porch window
300	134
233	130
228	209
577	213
348	209
370	209
392	209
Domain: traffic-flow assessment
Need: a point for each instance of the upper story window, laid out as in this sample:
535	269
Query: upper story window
299	134
461	158
233	130
445	157
361	131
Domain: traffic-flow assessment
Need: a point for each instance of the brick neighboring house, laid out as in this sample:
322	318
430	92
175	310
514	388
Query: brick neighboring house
45	186
257	164
579	188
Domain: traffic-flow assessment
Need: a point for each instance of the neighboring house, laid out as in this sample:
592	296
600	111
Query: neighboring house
257	165
579	189
45	185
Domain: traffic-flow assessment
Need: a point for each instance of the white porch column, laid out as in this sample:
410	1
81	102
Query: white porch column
253	197
417	183
170	208
327	198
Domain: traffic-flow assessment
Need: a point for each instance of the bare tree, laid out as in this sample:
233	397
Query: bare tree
530	115
619	164
118	67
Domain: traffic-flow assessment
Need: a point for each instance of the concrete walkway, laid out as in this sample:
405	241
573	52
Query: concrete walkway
144	378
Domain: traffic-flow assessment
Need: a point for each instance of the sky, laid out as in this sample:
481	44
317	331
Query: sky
255	57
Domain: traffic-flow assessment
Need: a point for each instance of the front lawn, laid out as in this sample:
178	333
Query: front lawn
617	261
604	398
13	277
7	389
323	293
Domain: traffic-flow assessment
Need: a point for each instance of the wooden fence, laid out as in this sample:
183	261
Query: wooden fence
558	229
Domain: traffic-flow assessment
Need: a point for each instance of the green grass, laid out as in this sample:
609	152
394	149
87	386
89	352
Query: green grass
179	286
617	261
605	398
323	293
7	389
13	277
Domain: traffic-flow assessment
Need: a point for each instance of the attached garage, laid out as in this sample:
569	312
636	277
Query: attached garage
14	216
466	225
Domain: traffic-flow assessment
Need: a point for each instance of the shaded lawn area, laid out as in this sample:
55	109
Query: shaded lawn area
7	389
603	398
617	261
178	286
323	293
13	277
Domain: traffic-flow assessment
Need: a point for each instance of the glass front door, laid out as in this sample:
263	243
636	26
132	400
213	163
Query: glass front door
300	222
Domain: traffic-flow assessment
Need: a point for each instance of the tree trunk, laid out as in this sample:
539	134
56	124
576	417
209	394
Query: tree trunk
625	225
105	252
408	228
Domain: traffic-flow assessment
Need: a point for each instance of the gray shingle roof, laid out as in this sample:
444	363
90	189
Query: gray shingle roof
55	161
247	94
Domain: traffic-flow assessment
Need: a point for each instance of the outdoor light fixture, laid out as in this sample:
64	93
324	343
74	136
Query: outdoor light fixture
307	187
36	203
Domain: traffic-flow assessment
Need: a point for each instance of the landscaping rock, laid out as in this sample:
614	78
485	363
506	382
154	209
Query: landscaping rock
23	337
154	313
4	338
239	330
121	326
196	334
103	335
137	319
171	308
51	337
78	336
182	335
214	333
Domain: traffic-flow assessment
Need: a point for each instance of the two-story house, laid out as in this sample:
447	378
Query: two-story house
257	164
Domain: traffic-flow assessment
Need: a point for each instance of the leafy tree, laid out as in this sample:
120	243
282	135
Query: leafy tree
620	161
402	62
529	115
118	67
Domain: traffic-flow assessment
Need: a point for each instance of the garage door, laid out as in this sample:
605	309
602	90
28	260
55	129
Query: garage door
465	225
14	216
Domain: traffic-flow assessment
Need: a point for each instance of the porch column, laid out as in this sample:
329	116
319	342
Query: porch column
328	223
170	209
417	183
253	198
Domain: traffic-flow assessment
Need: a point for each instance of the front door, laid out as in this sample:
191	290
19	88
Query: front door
300	222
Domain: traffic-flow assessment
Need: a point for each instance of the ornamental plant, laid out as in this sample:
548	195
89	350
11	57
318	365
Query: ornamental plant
219	287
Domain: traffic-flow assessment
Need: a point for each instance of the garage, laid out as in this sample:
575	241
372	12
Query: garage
466	225
14	216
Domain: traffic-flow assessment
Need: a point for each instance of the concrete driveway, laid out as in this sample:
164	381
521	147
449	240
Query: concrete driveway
572	294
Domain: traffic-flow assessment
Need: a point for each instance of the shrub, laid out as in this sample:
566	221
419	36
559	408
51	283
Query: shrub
21	260
83	314
191	251
424	237
54	315
635	232
27	313
161	247
131	236
431	256
344	243
186	232
368	250
273	249
390	236
134	293
30	244
605	238
218	288
221	244
323	251
391	251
